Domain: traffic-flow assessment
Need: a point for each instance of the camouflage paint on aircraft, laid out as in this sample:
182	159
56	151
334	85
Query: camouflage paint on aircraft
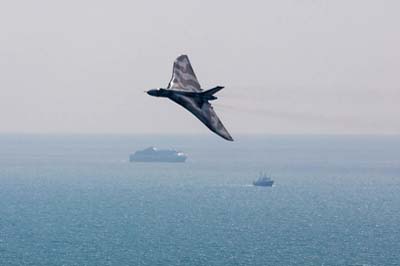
185	90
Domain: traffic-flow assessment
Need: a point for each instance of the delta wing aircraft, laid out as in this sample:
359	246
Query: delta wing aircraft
185	90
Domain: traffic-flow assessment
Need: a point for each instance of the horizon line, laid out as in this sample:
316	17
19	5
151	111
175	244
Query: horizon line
186	134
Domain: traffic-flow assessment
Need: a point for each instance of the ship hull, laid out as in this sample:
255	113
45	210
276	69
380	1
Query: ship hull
158	160
264	184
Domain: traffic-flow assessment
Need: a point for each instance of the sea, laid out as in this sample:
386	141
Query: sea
77	200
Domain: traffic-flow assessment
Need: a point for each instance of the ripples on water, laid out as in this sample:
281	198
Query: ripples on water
76	200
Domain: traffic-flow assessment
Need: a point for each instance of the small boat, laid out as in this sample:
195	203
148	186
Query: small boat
263	181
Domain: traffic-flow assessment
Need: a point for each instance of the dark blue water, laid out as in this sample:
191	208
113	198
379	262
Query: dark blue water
76	200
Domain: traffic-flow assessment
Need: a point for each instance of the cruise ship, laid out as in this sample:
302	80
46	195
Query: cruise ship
153	154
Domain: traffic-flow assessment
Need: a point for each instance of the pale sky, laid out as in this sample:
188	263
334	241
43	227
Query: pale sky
291	67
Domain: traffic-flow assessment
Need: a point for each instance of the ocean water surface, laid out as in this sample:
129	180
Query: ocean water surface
77	200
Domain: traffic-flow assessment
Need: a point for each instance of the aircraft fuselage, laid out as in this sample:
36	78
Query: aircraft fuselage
198	96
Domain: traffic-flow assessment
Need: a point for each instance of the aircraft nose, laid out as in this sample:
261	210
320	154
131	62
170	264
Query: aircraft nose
152	92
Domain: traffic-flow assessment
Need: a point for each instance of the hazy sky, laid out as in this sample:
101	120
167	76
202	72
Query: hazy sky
296	66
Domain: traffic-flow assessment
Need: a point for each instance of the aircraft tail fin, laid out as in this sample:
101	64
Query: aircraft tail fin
209	94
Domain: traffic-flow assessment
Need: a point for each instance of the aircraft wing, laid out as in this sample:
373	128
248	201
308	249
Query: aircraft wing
204	112
183	77
213	122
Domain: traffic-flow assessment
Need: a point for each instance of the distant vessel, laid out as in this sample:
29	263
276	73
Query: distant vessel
153	154
263	181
